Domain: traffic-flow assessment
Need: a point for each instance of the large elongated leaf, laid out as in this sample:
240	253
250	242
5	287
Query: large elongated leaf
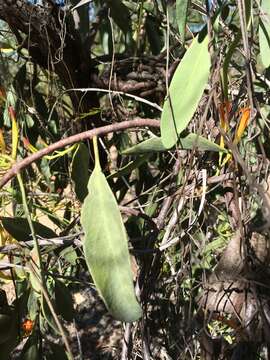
106	249
185	91
189	142
264	33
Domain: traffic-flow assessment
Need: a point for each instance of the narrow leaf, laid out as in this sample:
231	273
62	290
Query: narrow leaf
189	142
154	144
181	16
185	91
19	229
200	143
106	249
79	172
264	33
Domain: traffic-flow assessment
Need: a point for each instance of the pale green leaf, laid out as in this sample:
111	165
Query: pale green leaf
154	144
189	142
200	143
106	249
264	33
185	91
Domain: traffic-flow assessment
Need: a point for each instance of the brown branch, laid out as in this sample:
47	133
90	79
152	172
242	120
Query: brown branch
17	167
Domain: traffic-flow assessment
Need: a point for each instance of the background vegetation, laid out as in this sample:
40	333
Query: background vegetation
178	94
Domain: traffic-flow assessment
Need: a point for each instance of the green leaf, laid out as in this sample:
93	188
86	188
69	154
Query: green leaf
185	90
192	141
189	142
154	144
181	16
79	172
264	33
20	230
106	249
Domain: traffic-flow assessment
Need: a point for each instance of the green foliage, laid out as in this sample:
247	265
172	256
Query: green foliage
185	91
180	191
264	33
106	249
181	16
79	172
191	141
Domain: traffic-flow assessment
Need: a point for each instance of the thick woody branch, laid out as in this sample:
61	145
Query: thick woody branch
17	167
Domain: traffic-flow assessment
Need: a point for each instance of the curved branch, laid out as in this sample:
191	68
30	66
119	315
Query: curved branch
17	167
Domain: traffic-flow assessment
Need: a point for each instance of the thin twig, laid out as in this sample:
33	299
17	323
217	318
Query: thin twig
113	92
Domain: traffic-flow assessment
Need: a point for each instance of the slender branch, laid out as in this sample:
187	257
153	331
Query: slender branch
17	167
